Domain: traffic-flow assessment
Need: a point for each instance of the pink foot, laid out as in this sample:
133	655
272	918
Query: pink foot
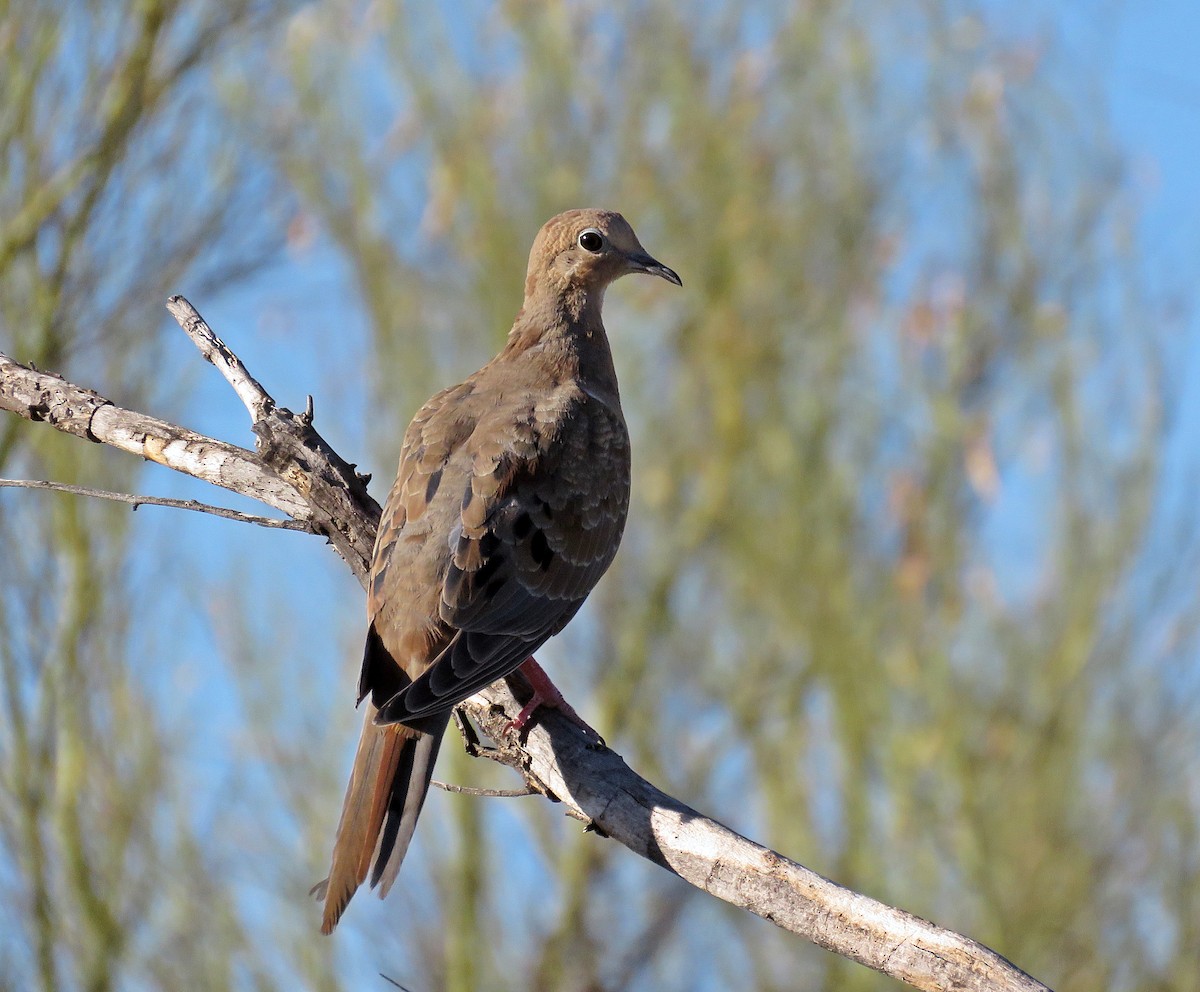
545	693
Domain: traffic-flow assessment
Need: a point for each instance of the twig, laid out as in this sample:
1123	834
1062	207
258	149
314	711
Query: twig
467	790
256	399
179	504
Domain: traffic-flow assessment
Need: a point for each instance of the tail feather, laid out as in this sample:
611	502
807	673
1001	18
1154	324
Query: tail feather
407	799
387	789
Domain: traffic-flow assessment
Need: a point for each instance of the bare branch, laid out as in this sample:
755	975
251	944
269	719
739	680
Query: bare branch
295	470
592	782
216	352
42	396
596	785
467	790
337	497
136	501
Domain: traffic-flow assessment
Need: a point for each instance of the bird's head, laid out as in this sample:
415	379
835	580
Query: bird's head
582	251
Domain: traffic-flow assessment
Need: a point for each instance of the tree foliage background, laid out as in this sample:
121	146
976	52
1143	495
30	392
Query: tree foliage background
908	589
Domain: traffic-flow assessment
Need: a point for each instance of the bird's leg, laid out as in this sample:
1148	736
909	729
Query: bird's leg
545	693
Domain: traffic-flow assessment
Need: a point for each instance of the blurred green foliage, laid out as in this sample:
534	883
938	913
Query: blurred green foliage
114	185
892	599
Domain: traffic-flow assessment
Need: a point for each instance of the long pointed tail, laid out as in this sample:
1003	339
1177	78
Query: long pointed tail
387	789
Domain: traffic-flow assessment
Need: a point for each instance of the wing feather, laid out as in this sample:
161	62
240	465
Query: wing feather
539	524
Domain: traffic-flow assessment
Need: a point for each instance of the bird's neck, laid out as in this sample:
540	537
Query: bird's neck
567	334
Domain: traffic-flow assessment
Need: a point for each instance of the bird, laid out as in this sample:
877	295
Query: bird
508	506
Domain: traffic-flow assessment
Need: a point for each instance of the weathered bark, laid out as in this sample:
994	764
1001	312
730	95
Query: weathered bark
296	472
597	787
45	397
294	469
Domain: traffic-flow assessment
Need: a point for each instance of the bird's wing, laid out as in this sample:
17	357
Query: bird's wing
437	431
541	516
405	633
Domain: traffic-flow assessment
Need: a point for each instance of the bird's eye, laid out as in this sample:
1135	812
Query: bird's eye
591	240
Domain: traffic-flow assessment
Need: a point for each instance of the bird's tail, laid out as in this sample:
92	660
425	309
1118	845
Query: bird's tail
387	789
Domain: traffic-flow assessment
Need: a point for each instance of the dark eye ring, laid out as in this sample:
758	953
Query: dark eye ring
591	240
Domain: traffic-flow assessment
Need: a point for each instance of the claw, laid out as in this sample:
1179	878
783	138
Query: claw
545	693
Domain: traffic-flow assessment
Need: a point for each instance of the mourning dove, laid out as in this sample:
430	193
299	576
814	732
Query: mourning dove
507	508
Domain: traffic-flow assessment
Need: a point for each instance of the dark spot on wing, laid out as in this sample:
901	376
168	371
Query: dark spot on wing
431	487
487	570
540	548
522	526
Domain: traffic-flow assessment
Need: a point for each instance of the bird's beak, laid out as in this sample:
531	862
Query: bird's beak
641	262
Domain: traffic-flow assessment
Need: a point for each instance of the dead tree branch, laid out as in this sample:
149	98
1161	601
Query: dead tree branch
295	471
135	501
45	397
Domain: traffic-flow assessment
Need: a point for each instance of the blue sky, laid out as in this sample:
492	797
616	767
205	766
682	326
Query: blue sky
1154	91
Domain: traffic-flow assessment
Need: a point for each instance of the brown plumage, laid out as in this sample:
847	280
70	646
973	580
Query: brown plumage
507	508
